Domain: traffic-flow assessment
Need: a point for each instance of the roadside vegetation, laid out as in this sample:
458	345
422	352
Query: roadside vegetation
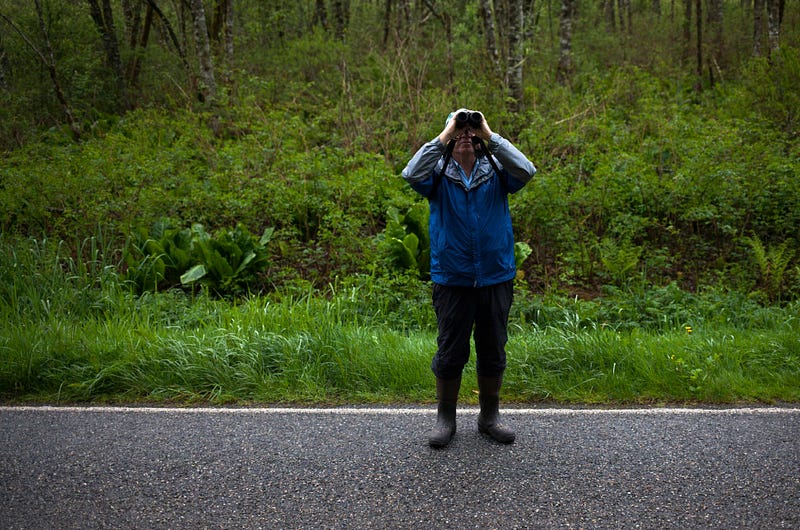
262	247
74	331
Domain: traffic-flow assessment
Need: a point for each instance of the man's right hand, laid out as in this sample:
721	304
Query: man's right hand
450	131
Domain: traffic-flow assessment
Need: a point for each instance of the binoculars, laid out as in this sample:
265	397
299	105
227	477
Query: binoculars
473	118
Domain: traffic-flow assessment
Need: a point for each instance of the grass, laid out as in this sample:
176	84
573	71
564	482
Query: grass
71	332
718	365
216	352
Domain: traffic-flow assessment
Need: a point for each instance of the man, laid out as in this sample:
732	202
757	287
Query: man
472	259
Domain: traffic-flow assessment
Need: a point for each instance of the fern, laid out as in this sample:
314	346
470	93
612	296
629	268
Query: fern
772	264
619	258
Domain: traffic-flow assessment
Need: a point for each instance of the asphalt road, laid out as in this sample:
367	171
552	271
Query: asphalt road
371	468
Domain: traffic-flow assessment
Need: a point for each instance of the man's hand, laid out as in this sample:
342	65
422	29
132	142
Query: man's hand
450	131
484	133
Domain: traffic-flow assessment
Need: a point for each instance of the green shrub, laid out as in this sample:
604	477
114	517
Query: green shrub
226	263
407	241
772	264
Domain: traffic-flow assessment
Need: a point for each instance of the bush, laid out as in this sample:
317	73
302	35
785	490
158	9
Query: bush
227	263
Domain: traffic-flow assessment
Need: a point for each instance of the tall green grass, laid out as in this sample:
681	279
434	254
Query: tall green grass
715	365
72	332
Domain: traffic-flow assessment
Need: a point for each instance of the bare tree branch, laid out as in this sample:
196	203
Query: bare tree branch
22	34
50	62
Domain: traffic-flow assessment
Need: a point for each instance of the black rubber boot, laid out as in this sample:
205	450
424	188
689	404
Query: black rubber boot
447	396
489	417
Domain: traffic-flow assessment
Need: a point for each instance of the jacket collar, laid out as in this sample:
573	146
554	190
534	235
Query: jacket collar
483	172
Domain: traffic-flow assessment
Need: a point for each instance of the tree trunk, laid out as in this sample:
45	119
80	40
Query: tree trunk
171	32
138	35
404	11
532	19
565	67
516	57
217	22
340	18
132	17
610	14
699	21
229	32
387	21
222	35
502	17
687	29
625	15
208	91
716	58
774	14
104	21
487	15
758	27
222	28
321	14
140	44
629	15
5	66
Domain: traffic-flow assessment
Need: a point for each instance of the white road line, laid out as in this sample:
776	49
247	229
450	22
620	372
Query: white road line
400	411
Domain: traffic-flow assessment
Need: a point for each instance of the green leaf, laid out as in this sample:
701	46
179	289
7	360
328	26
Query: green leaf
521	252
220	266
266	237
245	262
193	274
401	253
411	242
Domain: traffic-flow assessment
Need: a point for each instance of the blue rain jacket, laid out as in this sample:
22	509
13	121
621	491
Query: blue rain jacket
472	241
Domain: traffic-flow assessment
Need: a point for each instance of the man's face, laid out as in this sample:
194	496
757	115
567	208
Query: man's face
464	142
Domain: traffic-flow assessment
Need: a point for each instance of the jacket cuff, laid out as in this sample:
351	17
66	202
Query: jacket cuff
494	142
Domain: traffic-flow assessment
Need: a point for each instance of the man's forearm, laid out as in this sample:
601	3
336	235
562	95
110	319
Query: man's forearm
424	161
512	159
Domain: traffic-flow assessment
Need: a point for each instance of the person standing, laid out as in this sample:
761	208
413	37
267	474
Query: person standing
467	173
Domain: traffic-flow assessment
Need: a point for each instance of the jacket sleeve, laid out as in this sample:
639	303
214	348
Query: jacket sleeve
421	169
517	165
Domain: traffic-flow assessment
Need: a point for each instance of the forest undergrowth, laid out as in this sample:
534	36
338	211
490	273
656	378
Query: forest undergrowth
261	247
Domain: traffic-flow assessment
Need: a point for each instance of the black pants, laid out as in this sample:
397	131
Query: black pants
458	311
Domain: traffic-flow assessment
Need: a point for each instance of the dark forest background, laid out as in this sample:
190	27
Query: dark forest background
665	133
